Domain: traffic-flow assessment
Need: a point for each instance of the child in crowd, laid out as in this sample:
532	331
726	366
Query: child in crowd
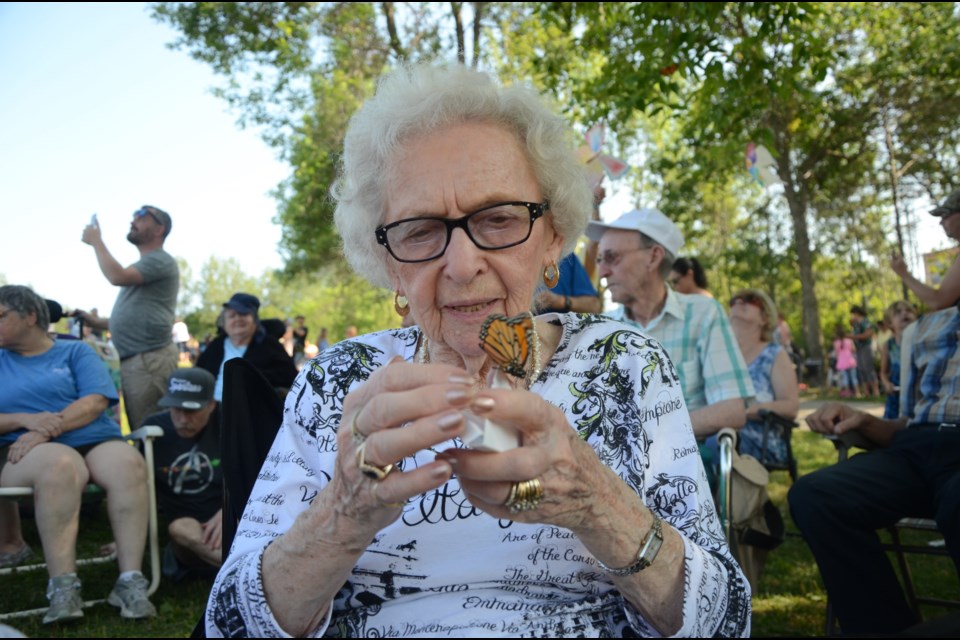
844	351
898	316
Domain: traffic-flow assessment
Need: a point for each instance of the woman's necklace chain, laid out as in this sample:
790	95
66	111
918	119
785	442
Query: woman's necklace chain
423	355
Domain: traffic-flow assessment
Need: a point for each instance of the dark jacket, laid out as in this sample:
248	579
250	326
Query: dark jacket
263	352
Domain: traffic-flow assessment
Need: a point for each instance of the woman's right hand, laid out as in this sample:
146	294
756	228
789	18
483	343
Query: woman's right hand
45	423
402	409
22	445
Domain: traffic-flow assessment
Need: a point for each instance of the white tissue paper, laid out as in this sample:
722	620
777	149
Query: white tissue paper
485	435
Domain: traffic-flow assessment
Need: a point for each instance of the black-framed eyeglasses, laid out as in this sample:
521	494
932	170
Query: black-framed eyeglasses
144	211
425	238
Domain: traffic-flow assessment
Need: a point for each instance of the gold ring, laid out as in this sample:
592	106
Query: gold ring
358	437
372	471
524	496
376	494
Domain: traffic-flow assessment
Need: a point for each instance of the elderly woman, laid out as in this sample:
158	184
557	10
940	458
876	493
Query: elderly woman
371	517
54	436
753	317
246	338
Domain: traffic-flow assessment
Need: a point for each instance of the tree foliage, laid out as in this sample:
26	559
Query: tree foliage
326	298
299	70
807	80
854	101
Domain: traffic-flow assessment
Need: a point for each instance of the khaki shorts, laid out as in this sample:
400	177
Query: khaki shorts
144	379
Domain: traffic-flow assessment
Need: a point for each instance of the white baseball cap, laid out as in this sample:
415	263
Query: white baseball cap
649	222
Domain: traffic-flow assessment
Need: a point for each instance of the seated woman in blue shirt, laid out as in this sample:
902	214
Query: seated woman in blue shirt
54	437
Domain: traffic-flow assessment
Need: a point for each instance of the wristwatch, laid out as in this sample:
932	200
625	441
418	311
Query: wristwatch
649	549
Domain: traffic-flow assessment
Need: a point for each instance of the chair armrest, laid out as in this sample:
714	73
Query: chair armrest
778	419
147	432
727	433
15	492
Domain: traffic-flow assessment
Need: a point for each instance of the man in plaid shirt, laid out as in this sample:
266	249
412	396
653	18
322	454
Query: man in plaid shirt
635	255
913	471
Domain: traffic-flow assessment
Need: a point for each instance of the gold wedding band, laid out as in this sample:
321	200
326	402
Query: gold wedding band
376	494
372	471
524	496
358	437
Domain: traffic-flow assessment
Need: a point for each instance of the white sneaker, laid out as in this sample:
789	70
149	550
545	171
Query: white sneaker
131	596
63	592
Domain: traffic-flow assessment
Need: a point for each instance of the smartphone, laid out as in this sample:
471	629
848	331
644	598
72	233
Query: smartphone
93	220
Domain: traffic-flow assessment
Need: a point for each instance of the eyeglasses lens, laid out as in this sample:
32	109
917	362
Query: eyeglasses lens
498	227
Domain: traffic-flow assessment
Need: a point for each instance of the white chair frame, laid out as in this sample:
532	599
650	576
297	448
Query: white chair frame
146	435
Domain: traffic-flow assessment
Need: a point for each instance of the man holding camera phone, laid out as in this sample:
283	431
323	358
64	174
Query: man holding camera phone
142	318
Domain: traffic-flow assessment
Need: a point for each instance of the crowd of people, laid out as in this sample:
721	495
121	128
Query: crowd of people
593	514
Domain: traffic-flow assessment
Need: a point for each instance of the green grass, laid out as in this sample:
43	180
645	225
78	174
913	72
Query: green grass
179	606
790	600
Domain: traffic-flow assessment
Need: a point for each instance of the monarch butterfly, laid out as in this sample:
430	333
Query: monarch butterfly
507	341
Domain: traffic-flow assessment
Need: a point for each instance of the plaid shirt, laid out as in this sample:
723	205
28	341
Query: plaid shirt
932	393
696	334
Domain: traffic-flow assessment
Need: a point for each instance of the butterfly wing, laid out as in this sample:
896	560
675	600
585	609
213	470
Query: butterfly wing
507	342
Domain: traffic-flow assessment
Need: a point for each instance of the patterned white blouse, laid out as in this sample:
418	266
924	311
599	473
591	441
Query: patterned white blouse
446	569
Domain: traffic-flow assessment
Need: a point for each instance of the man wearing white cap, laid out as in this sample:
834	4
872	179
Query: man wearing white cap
636	253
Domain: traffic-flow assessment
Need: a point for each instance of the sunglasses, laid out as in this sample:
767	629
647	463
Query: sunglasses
143	212
747	298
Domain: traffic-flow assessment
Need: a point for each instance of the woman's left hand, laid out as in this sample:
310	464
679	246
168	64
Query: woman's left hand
45	423
24	444
579	493
576	485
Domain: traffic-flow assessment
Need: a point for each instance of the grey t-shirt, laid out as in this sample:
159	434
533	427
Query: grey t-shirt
143	315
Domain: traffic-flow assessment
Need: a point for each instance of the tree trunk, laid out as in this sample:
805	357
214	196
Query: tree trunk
797	201
811	312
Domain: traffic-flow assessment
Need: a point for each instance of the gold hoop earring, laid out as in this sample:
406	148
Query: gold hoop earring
551	275
401	305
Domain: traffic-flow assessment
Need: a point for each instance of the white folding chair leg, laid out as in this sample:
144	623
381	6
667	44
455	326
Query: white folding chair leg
148	434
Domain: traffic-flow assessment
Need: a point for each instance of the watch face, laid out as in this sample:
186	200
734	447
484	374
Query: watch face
649	548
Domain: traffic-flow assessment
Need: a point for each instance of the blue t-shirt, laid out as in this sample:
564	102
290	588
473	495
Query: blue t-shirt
573	281
52	381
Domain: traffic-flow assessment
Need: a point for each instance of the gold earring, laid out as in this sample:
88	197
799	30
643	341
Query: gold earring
551	275
401	305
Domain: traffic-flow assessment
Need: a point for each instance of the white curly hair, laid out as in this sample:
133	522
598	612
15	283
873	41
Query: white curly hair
419	99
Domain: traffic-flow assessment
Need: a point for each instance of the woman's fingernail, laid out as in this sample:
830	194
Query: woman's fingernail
459	379
457	395
442	470
482	405
450	421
